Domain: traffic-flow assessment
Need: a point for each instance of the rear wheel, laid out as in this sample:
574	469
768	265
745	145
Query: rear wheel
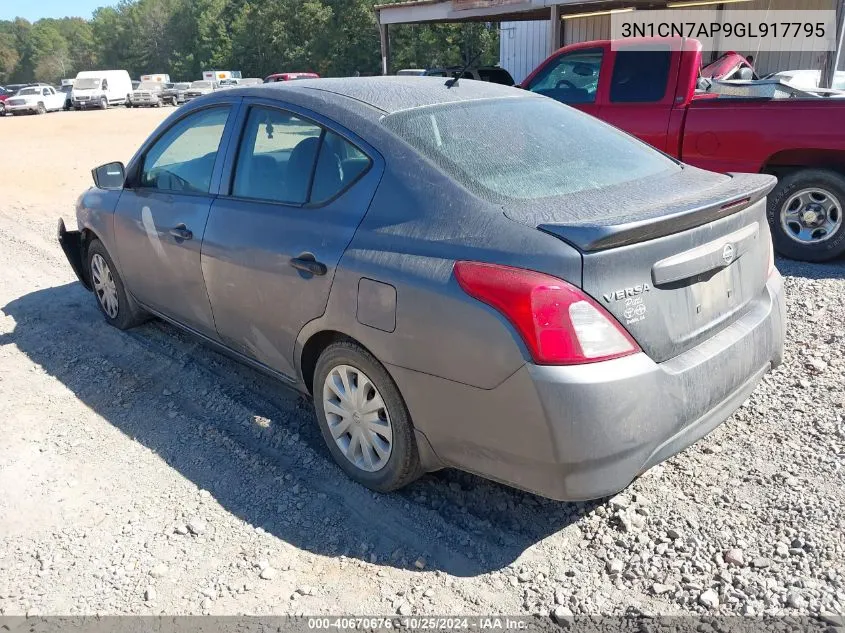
363	418
805	214
117	307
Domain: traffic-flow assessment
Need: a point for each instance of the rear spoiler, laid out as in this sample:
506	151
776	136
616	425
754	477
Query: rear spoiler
744	191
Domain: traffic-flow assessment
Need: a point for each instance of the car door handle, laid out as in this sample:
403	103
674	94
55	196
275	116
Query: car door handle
181	232
308	264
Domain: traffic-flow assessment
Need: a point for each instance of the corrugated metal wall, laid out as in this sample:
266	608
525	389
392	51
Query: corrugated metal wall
772	61
598	28
522	46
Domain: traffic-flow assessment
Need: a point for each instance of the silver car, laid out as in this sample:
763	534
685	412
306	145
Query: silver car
461	274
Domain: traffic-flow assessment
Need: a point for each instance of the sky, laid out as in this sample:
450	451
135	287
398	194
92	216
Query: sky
33	10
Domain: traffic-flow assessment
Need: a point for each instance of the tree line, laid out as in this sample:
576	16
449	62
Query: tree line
257	37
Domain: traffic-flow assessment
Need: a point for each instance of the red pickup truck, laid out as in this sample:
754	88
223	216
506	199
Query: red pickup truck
660	94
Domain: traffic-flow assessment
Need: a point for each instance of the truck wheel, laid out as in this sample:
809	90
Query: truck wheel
805	214
104	104
363	418
40	109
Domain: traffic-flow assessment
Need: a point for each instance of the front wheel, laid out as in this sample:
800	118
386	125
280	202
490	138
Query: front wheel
117	307
805	214
104	103
363	418
40	109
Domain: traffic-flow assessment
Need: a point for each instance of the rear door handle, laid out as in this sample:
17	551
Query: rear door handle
181	232
308	264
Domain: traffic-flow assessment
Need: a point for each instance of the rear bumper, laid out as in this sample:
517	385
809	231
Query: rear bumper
71	243
585	432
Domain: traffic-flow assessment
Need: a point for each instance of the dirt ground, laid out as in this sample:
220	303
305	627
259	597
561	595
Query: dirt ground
141	472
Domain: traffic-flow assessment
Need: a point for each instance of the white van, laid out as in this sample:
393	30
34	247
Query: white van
100	89
160	78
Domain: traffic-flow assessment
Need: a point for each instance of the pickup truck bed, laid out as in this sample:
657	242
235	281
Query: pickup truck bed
653	89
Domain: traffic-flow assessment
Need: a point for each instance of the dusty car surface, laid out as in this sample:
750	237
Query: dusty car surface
560	316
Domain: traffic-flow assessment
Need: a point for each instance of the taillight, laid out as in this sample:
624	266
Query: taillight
559	324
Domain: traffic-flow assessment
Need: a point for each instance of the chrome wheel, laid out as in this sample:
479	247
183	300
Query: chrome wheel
104	286
357	418
811	215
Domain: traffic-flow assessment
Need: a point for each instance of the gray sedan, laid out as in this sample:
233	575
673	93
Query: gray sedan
461	274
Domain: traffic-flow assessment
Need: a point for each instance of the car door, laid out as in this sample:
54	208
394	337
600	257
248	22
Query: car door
161	215
48	96
296	192
639	100
574	78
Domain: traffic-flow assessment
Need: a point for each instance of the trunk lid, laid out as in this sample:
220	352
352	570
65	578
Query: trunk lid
674	259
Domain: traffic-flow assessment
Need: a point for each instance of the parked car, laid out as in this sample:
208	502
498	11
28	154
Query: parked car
35	100
101	89
652	94
175	94
147	95
289	77
808	79
13	88
494	74
411	72
560	316
199	88
5	93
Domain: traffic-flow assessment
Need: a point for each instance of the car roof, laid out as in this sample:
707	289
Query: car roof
388	94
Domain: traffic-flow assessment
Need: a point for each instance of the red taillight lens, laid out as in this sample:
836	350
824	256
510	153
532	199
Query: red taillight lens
559	323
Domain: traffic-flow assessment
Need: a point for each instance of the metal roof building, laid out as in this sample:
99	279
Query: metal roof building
530	30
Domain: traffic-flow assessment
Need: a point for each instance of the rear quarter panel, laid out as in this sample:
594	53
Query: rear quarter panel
418	225
732	135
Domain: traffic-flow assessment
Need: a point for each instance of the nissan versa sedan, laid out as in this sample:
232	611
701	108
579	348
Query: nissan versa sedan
461	274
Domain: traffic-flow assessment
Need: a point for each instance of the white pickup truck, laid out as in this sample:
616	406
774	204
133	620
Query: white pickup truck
35	99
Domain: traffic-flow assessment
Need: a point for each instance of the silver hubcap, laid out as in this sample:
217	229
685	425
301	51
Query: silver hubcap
811	215
357	417
104	285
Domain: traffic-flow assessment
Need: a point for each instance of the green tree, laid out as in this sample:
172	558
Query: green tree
9	56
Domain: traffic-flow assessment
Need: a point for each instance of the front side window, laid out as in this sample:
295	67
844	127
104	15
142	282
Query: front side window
571	77
525	148
640	76
285	158
182	160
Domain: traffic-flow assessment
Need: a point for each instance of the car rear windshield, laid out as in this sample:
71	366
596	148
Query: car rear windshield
525	148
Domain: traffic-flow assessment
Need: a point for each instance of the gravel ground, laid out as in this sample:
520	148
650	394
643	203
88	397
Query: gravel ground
142	473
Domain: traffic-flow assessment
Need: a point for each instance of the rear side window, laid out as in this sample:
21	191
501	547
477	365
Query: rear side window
640	76
285	158
525	148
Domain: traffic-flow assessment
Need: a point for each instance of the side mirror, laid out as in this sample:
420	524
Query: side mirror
109	176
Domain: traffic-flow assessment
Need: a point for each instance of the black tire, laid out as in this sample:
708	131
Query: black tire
40	109
128	313
403	465
831	247
104	104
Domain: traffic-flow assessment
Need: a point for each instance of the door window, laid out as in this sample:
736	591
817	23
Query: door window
571	77
182	160
640	76
285	158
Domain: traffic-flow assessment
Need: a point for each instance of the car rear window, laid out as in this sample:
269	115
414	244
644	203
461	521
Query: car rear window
525	148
